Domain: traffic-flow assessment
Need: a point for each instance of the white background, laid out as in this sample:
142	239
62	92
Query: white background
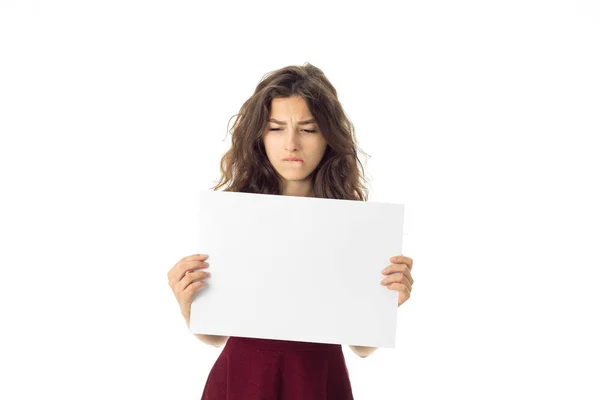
480	116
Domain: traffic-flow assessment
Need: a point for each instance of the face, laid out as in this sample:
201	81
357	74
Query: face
290	134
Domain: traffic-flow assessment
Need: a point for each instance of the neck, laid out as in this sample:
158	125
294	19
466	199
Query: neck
297	188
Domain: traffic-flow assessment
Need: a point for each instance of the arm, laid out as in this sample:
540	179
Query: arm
363	351
213	340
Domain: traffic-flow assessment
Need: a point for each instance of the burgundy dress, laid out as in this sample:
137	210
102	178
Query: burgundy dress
264	369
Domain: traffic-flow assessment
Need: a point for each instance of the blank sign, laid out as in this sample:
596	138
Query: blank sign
297	268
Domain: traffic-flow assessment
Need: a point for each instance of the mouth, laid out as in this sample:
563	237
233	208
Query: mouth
293	159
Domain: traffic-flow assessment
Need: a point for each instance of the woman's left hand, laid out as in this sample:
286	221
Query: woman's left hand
399	277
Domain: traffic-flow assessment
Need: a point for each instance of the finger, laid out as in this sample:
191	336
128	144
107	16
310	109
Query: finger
402	260
408	274
191	289
390	269
187	267
188	291
400	287
173	272
395	268
182	269
397	278
403	293
200	257
191	278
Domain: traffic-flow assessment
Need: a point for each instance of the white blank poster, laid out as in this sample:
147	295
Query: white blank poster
297	268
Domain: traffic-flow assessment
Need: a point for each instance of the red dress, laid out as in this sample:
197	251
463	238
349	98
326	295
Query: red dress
264	369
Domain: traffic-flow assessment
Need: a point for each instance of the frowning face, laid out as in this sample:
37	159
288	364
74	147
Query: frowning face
293	143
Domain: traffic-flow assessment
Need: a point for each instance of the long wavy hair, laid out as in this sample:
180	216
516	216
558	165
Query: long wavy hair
245	166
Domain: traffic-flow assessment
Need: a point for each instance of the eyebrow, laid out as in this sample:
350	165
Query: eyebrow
308	121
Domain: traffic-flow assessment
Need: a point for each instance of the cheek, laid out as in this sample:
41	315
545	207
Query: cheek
269	144
319	147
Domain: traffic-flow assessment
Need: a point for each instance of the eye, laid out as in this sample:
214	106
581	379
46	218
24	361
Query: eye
305	130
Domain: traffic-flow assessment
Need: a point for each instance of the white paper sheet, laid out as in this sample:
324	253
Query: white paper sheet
297	268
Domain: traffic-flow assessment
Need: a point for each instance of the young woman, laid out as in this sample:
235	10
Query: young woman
291	138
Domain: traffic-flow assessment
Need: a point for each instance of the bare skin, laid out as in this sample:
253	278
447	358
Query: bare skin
290	133
186	278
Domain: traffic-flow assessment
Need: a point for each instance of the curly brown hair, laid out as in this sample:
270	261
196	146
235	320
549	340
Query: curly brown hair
245	166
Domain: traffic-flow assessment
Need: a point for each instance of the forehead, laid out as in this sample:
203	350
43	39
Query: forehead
295	105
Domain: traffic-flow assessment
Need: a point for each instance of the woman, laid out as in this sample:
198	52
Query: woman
291	138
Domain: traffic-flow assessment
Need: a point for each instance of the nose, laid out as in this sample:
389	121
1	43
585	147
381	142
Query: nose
291	140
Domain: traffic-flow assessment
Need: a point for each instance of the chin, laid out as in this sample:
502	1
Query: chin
291	178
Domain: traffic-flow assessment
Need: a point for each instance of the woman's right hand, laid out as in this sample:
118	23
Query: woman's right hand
185	278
